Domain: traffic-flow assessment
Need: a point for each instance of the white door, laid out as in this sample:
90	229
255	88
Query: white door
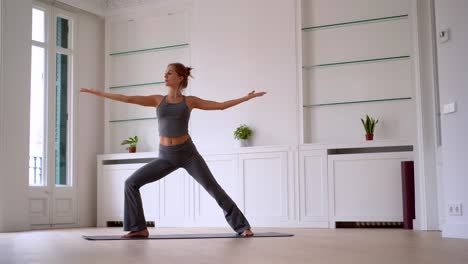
52	191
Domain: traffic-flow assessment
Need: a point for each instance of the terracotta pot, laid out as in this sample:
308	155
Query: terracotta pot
131	149
369	136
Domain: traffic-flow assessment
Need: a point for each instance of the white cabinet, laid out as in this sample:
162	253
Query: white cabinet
111	182
225	170
277	186
165	202
174	196
260	180
265	183
366	187
313	187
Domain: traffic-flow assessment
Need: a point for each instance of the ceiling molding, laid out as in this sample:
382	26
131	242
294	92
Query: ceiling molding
106	8
91	6
118	4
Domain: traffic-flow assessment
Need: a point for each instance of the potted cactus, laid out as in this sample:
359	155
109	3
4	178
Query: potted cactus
369	125
132	142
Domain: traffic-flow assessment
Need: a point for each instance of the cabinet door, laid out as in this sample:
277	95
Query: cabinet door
173	205
265	184
111	184
366	187
313	188
225	170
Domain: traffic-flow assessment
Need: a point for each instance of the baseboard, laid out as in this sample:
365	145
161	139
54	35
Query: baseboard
15	227
417	225
455	231
56	226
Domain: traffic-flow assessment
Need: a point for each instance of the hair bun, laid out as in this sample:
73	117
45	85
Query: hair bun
188	69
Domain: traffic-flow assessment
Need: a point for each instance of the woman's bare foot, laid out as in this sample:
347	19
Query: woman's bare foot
141	233
248	233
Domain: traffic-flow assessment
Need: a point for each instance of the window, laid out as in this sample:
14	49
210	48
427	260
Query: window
37	104
51	59
62	81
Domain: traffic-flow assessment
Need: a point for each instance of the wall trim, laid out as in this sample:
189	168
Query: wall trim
426	141
1	117
455	230
74	7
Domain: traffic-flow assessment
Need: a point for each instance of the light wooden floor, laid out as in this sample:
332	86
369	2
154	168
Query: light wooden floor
307	246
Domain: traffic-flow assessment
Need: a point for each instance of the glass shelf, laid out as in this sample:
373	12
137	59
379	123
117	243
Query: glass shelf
358	102
307	67
133	85
151	49
355	22
135	119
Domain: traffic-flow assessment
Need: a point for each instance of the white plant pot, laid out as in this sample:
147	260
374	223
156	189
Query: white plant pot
243	142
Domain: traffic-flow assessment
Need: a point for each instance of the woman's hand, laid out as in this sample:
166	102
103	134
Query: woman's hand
253	94
91	91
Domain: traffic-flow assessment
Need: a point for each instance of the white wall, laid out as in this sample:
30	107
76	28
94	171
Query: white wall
2	186
89	73
453	86
16	67
237	47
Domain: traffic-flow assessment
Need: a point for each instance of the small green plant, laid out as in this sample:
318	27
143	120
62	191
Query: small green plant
242	132
132	141
369	124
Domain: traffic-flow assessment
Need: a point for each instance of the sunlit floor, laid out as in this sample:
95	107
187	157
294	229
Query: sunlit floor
329	246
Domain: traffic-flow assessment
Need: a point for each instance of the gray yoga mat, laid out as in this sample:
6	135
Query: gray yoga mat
189	236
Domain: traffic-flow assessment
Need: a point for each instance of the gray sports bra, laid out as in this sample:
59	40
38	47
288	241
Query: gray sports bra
173	118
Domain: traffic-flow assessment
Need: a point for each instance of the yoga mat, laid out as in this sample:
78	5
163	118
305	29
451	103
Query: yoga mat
189	236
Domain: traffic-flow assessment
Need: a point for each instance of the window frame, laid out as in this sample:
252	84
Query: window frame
51	50
69	52
46	46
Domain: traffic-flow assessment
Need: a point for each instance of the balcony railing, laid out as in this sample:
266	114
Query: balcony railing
35	170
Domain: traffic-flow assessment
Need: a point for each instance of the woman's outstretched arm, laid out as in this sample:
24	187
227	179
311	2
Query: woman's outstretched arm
150	100
211	105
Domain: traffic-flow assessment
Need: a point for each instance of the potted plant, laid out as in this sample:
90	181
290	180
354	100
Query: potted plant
243	133
369	125
132	142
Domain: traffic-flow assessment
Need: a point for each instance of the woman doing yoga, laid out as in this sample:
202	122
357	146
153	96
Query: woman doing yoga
176	149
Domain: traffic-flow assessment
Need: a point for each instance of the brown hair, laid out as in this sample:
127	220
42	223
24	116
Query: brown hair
183	71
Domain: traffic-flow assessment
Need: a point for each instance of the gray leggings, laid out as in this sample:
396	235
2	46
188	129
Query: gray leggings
170	158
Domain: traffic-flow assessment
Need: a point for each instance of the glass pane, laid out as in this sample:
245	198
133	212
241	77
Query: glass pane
62	32
38	25
37	112
61	119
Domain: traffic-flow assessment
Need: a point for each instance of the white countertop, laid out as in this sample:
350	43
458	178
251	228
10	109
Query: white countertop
273	148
